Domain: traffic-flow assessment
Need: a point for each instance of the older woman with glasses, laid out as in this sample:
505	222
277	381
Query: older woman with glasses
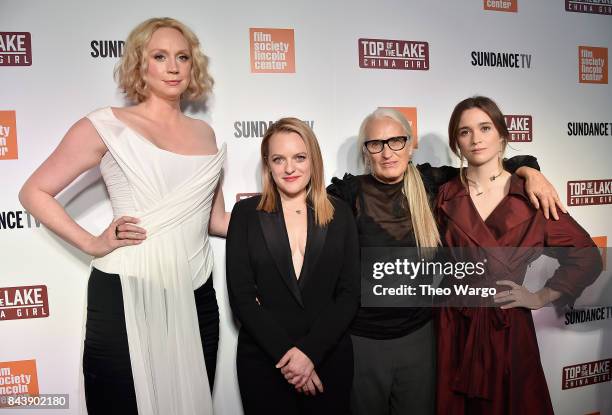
394	348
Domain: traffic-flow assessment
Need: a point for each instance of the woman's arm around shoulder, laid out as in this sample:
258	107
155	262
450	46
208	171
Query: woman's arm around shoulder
345	189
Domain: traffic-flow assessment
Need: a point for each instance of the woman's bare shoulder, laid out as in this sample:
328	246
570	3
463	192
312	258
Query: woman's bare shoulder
203	131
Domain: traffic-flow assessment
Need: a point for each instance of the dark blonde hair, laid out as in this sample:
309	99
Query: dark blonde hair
130	70
316	193
425	229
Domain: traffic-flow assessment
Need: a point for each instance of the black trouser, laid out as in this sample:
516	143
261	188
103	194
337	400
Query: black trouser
109	386
395	376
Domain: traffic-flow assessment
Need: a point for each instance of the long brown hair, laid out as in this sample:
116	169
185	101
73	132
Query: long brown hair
489	107
316	193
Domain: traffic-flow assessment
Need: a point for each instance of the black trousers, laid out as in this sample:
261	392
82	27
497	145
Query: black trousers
264	390
109	385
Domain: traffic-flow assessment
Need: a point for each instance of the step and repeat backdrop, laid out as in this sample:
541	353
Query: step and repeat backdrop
546	63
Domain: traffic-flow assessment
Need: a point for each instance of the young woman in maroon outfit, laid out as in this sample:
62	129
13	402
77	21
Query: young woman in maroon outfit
488	358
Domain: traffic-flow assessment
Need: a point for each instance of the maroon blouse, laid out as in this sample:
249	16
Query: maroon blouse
488	358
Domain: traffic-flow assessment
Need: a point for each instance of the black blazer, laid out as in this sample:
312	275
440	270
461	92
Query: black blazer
312	313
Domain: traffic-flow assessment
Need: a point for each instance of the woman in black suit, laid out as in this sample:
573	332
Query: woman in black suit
293	280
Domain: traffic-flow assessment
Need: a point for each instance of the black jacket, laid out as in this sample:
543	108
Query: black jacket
312	313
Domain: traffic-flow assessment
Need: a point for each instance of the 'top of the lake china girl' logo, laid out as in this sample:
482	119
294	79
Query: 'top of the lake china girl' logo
519	127
393	54
584	374
15	49
24	302
589	192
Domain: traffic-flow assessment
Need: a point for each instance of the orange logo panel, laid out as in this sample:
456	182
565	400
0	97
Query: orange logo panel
18	378
501	5
602	242
8	135
272	50
411	115
592	65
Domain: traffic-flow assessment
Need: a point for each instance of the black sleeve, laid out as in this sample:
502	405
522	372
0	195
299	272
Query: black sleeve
335	319
242	289
514	163
434	177
345	189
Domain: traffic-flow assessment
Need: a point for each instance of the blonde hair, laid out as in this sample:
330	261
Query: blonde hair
316	193
130	71
425	230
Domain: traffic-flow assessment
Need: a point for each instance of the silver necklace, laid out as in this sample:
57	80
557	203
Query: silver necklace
492	179
298	211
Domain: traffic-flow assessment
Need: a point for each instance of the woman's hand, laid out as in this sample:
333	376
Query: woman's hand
540	191
313	384
121	232
296	367
519	296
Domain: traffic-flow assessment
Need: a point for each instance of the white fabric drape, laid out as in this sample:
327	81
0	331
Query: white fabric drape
156	278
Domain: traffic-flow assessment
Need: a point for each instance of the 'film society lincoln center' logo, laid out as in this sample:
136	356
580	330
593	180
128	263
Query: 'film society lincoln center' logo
15	49
589	6
589	192
8	135
19	377
393	54
272	50
24	302
584	374
501	5
592	65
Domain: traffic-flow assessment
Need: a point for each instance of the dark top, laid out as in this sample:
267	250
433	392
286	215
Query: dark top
383	219
515	223
488	358
277	311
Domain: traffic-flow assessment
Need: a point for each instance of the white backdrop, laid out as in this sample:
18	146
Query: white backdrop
64	82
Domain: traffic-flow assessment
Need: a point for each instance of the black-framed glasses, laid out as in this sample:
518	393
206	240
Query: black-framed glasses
394	143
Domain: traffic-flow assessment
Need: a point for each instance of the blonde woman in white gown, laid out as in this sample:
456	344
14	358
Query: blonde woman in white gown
152	317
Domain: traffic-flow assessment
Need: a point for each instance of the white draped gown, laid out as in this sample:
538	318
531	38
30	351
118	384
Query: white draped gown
172	195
